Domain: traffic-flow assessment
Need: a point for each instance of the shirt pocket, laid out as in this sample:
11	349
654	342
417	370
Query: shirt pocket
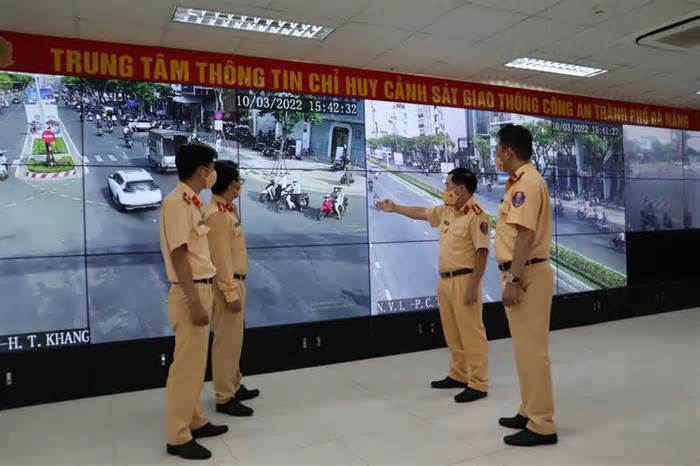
459	230
504	208
198	236
199	231
236	229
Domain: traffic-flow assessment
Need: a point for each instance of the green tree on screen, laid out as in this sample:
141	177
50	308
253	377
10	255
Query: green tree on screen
483	149
543	143
288	119
604	152
5	82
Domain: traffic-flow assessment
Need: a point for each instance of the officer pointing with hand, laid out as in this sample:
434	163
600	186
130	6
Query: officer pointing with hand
228	249
188	265
523	238
464	244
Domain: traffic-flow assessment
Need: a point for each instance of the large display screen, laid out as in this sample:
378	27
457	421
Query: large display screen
654	178
85	266
80	264
691	179
411	148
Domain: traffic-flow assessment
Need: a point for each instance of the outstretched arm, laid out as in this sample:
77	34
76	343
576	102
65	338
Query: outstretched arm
418	213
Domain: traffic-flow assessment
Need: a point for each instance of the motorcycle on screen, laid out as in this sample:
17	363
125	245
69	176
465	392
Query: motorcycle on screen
299	201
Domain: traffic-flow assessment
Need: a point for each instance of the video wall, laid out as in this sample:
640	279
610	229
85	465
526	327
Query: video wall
81	261
413	146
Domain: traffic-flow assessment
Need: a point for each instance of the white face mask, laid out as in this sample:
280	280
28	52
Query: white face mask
450	197
210	179
502	161
499	165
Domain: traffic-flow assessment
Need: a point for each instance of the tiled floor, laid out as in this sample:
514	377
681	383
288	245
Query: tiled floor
628	393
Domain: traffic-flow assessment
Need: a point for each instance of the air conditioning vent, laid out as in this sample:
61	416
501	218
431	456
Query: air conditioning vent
684	39
680	36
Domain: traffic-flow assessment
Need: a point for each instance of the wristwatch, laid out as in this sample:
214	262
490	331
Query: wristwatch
512	279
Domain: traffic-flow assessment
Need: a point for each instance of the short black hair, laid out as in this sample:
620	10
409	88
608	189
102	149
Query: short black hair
191	156
518	138
464	177
226	172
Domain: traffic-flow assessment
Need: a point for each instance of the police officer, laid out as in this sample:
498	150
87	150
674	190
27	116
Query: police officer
228	251
523	238
188	265
464	244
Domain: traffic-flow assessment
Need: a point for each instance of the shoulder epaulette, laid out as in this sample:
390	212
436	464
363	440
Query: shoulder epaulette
512	179
192	200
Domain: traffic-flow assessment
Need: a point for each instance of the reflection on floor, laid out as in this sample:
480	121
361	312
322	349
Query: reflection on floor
627	394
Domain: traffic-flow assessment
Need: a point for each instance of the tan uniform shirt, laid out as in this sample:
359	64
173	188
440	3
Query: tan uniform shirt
462	233
525	203
181	222
228	246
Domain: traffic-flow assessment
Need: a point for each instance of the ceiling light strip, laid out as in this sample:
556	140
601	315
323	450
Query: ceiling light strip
547	66
242	22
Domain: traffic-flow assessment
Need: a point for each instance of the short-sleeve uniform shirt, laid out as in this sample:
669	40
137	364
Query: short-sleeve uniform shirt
182	222
462	233
525	204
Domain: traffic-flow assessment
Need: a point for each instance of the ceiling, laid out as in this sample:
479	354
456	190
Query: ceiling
459	39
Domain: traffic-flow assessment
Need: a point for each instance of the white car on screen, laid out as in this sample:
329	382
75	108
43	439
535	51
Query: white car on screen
140	124
134	189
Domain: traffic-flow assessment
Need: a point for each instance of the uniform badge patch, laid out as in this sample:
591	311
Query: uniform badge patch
484	228
518	199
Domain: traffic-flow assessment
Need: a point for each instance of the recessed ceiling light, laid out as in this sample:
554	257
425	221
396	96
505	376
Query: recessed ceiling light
547	66
249	23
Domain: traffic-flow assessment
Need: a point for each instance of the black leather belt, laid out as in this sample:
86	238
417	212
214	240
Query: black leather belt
504	267
455	273
208	281
239	276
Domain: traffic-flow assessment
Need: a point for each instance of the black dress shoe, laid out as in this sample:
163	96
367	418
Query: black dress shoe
528	438
516	422
209	430
189	451
234	407
469	394
244	394
447	382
